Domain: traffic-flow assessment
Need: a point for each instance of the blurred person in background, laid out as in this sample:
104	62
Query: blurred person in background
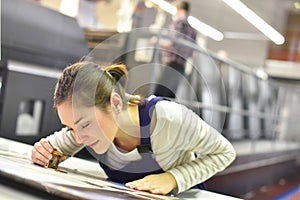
174	54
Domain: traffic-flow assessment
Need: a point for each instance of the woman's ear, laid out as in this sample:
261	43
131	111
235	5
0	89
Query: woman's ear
116	102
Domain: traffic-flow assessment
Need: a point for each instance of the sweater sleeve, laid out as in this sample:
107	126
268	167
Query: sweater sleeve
185	133
65	142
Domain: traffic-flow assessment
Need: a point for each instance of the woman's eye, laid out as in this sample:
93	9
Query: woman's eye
85	125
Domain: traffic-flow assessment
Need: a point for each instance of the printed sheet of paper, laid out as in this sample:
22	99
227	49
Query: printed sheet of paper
84	184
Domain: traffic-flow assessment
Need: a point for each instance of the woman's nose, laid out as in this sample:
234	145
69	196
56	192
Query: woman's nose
77	137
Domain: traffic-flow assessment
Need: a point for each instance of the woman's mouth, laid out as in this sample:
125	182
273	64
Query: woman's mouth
93	144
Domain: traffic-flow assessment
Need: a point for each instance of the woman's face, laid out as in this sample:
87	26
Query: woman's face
90	125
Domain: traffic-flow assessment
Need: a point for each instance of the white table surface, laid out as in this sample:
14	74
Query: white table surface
15	164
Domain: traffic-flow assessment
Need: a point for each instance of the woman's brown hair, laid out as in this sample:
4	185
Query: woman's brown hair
88	84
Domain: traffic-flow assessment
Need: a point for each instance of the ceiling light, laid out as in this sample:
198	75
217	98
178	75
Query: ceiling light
205	29
69	7
194	22
166	6
297	5
256	21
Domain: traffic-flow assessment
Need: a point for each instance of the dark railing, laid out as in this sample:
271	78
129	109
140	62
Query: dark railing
240	101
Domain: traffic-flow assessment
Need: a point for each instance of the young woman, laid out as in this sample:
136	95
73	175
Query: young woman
148	143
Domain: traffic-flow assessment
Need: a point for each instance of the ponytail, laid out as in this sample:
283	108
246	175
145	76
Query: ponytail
119	73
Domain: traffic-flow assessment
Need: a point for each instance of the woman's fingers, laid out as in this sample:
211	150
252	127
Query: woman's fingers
157	183
41	153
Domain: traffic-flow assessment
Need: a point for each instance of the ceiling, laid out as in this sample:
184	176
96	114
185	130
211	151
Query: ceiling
217	14
243	42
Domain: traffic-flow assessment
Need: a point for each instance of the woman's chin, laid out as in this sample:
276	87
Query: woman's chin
100	150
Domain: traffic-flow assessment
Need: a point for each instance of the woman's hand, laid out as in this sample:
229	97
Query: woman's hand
41	153
157	183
